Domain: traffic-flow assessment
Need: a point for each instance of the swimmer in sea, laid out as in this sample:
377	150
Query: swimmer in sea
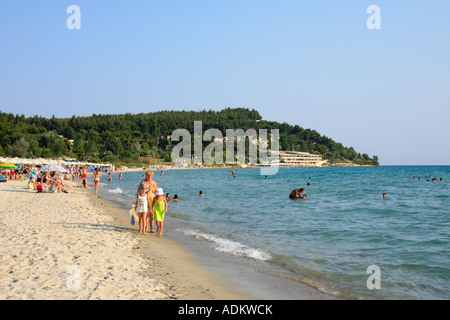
296	194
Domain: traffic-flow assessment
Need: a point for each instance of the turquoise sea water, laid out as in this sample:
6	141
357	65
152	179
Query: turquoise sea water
330	239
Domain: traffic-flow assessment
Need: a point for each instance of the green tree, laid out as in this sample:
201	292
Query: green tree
20	148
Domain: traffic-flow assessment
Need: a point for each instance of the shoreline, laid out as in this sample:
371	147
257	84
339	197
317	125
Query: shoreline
81	230
248	278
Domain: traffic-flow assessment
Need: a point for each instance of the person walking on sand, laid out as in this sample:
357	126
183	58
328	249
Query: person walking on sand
159	208
150	187
142	207
96	179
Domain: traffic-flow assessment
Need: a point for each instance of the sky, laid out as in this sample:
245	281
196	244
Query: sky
385	92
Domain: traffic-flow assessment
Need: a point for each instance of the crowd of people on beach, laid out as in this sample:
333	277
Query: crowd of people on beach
40	181
51	181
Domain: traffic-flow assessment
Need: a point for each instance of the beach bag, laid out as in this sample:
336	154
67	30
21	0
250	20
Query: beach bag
132	213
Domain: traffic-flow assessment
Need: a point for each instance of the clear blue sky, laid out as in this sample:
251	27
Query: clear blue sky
312	63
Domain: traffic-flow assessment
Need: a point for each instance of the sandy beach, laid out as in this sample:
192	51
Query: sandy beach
76	246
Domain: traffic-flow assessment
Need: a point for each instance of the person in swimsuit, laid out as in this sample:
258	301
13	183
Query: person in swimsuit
96	179
83	178
150	187
159	208
296	194
142	207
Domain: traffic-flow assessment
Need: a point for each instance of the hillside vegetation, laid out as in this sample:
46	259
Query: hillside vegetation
145	137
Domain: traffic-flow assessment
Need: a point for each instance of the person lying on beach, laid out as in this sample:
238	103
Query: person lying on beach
54	186
64	186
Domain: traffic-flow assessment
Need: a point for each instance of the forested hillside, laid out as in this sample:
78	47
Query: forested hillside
133	138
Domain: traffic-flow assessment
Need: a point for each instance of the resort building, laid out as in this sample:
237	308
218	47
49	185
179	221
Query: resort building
301	159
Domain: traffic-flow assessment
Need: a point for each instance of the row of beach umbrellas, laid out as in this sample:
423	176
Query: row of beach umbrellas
47	168
42	161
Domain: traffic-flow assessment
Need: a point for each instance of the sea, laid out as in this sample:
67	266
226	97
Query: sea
344	239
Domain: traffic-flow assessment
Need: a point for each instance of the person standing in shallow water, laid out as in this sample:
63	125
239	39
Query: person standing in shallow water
296	194
150	187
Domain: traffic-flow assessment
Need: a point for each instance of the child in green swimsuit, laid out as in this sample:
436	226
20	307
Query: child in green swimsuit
159	208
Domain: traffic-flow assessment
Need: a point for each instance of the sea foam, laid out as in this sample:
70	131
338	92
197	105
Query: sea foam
229	246
117	190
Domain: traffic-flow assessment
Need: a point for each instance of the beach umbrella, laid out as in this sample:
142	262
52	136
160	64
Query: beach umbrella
7	166
42	161
53	167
